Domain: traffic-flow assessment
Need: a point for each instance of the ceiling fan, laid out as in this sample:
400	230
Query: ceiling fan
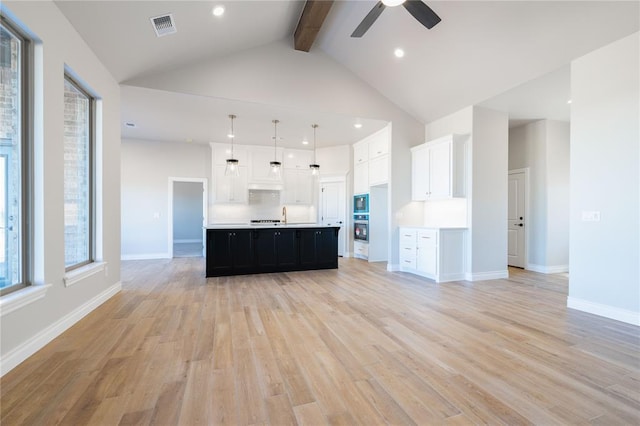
417	8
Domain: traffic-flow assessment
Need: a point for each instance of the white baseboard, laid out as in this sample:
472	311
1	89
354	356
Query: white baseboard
553	269
393	267
196	240
618	314
452	277
147	256
484	276
14	357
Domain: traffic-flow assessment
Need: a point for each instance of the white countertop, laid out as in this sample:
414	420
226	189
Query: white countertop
434	227
266	225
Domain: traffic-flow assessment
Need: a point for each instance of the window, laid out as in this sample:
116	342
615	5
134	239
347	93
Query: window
14	159
78	175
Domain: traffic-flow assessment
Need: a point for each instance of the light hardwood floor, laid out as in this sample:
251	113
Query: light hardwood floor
357	345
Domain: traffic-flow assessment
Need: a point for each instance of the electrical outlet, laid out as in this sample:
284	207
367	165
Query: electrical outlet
590	216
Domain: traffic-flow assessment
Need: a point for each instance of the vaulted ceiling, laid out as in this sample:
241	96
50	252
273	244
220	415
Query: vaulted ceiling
479	50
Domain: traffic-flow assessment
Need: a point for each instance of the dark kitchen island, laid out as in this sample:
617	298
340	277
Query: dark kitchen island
249	249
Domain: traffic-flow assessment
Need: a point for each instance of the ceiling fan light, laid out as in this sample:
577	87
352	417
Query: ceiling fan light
392	3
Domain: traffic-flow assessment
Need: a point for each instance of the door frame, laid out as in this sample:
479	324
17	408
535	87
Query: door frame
205	211
341	179
527	214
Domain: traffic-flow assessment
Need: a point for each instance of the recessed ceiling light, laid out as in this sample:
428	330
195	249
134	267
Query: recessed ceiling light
218	11
130	125
358	125
231	136
398	52
290	156
569	101
305	142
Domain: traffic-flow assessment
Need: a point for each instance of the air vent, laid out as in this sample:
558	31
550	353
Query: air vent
163	25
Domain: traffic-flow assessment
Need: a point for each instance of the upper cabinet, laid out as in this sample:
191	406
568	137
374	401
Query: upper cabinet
298	159
439	168
371	161
260	170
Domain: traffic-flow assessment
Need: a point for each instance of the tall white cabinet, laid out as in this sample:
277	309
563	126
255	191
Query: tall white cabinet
371	162
439	168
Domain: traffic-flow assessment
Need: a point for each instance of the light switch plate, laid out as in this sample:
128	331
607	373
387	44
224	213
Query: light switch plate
590	216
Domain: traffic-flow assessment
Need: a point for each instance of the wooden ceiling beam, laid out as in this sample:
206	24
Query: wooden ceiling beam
313	15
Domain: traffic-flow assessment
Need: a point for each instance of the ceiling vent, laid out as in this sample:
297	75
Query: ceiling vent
164	25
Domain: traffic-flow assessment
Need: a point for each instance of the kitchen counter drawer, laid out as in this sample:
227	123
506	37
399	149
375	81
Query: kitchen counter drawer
427	238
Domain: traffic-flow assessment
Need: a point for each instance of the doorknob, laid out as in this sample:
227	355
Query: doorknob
520	224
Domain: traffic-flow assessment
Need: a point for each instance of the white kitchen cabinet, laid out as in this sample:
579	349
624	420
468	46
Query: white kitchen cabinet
361	178
361	152
378	145
259	168
360	250
221	151
297	159
298	187
379	170
419	172
439	169
435	253
230	189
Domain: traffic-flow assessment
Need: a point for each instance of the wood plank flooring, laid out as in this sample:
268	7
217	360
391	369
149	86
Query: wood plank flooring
357	345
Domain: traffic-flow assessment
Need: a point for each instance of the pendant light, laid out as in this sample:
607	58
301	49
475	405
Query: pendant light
275	164
315	168
232	168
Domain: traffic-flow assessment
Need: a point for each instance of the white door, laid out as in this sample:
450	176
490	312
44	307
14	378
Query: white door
516	220
332	210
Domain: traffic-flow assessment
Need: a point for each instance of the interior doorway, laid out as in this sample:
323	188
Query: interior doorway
517	216
333	209
187	217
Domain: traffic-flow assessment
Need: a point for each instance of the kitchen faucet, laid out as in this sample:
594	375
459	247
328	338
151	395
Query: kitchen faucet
284	213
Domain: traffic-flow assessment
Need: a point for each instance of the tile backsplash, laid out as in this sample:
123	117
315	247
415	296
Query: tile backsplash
263	204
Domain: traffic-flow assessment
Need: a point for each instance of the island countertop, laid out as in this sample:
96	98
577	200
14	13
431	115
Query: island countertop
267	225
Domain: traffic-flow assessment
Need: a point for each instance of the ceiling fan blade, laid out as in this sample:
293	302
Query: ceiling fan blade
422	13
368	20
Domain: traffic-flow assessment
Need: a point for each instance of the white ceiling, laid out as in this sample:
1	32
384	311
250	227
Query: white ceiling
479	50
171	117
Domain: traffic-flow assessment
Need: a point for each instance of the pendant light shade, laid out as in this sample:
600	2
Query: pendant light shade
232	168
314	167
275	164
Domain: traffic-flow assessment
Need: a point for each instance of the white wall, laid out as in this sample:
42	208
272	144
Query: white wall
488	201
334	160
605	133
30	327
146	169
558	196
187	211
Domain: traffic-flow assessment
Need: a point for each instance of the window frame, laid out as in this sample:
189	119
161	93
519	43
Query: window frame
91	258
26	155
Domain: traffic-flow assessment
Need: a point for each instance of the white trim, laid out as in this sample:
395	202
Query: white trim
19	298
17	355
618	314
392	267
185	241
145	256
527	211
553	269
483	276
76	275
459	276
205	211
